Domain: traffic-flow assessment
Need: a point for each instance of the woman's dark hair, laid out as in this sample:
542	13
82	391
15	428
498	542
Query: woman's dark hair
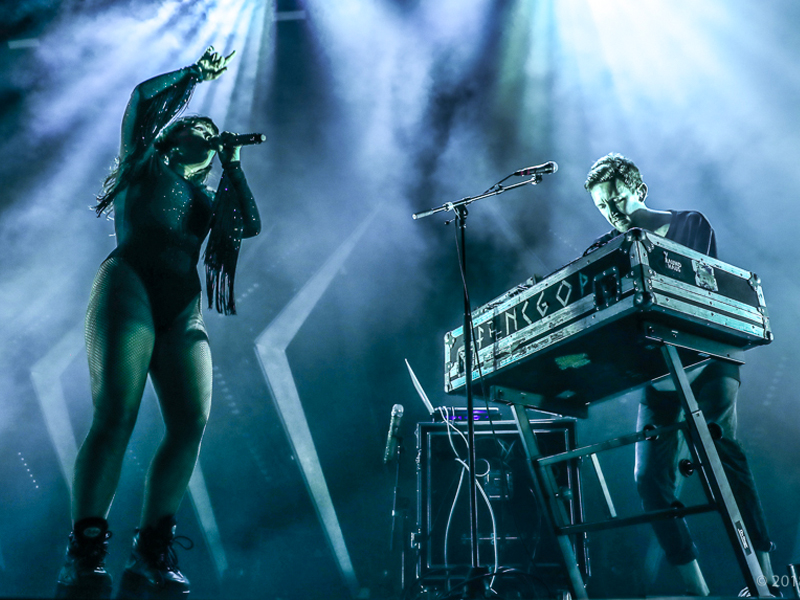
122	173
614	166
165	140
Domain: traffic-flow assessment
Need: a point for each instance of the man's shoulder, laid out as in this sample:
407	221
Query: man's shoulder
691	228
689	215
691	220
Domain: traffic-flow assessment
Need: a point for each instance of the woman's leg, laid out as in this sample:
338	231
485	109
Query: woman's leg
182	375
119	342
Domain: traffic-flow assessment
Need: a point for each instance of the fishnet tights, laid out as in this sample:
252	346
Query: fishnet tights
123	346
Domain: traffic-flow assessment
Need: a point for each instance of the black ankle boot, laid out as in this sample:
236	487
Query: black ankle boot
83	574
152	570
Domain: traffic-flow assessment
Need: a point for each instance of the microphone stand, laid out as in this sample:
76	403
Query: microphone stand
459	208
397	454
495	190
395	511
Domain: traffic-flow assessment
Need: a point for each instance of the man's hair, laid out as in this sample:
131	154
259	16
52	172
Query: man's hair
614	166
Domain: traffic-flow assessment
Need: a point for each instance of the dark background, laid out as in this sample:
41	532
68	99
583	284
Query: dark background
376	109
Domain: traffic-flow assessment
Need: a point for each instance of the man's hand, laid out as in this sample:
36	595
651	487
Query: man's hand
212	64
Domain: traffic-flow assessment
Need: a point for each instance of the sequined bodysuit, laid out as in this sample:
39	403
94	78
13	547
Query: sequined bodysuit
161	222
161	219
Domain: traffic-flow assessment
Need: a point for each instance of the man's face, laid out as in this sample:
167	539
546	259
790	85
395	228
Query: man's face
616	202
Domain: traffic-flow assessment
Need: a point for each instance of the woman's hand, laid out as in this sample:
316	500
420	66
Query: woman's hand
212	64
228	152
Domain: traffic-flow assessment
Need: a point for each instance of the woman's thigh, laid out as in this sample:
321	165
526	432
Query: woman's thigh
119	339
181	370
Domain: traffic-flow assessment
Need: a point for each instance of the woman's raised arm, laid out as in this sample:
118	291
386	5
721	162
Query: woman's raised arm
155	102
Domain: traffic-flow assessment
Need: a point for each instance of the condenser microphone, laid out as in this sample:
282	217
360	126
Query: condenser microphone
394	433
237	139
545	169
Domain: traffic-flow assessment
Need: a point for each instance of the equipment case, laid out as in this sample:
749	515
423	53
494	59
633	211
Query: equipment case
577	335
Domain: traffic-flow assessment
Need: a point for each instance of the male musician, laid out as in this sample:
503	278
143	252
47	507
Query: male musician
616	186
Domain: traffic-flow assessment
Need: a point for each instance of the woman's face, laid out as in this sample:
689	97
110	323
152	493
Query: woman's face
191	144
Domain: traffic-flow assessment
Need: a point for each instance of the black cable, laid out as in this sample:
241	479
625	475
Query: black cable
504	467
455	592
537	530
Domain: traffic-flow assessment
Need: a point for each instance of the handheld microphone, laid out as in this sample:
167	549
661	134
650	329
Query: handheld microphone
237	139
394	433
545	169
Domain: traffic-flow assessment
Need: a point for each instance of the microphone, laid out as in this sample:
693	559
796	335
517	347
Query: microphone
236	139
394	435
545	169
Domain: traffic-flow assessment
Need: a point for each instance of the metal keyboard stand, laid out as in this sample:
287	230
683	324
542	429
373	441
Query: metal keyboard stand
702	447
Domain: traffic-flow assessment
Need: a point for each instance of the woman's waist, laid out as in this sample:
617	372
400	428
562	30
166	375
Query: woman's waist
164	262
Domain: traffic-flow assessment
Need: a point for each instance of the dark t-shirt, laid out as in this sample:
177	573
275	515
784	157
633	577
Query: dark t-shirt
688	228
691	229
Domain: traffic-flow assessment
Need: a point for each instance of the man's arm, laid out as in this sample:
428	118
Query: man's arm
601	241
